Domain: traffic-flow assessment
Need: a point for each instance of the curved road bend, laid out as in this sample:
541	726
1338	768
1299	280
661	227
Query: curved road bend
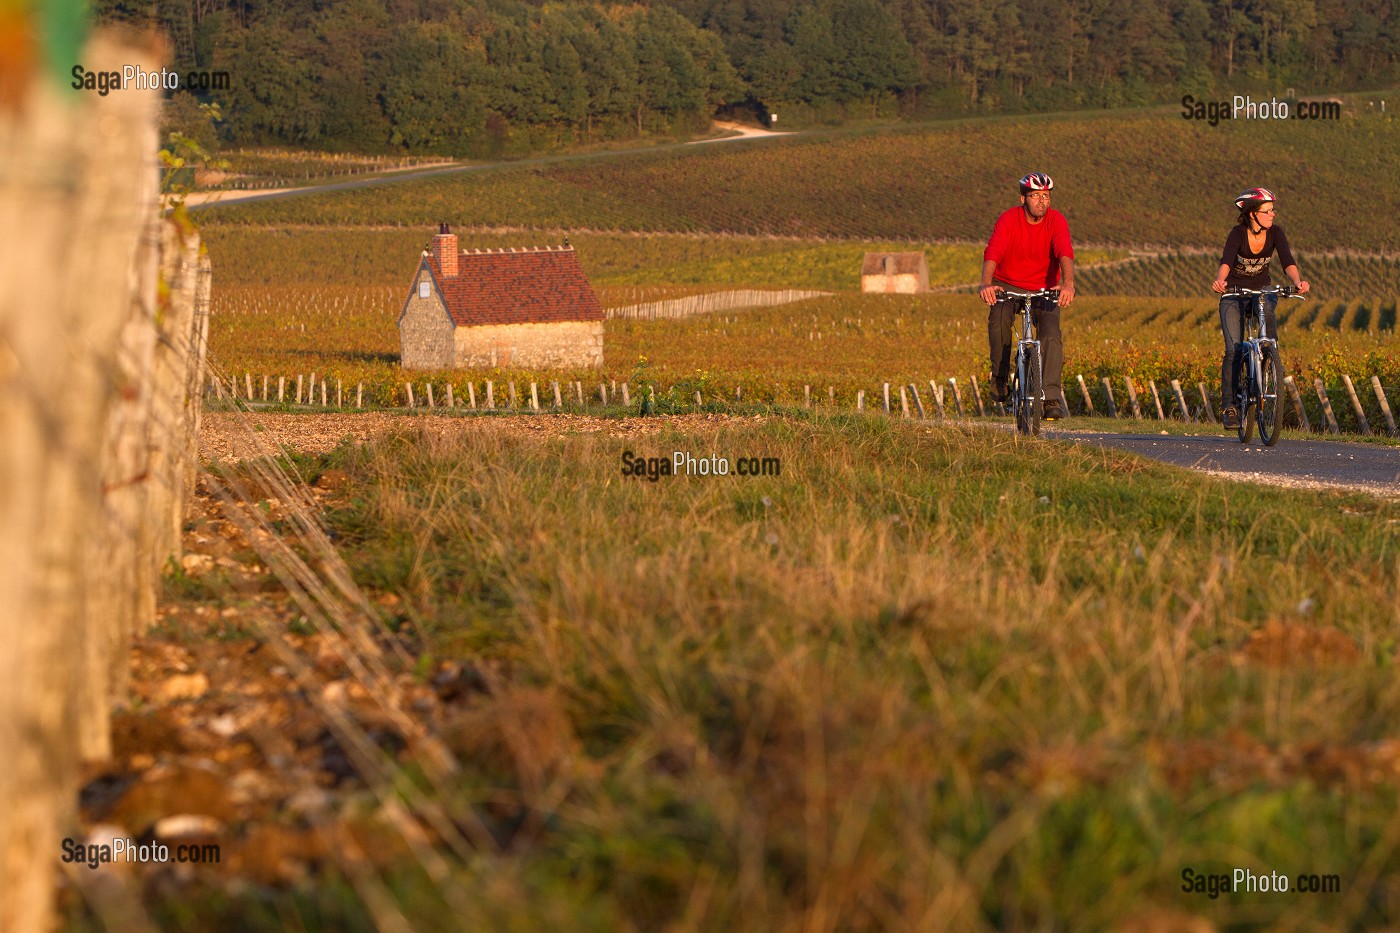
1372	467
203	199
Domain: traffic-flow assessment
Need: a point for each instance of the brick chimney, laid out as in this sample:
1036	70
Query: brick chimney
445	251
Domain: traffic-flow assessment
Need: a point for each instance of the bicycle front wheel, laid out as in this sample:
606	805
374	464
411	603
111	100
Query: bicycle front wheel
1244	391
1270	396
1028	392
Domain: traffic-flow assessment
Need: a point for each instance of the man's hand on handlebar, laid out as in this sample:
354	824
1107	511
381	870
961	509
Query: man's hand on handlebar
1066	295
989	294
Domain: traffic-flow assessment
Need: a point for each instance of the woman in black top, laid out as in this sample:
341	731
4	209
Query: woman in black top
1245	264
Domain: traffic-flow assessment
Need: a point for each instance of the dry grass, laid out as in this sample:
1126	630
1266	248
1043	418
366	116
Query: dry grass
925	679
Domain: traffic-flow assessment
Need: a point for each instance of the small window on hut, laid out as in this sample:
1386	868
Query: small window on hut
424	288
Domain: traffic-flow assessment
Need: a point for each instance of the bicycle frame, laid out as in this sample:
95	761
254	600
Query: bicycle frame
1026	407
1253	346
1251	349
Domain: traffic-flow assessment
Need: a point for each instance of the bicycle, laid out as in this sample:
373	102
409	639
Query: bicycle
1256	369
1027	385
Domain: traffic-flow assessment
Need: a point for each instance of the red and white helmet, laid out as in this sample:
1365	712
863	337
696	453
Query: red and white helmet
1036	181
1257	195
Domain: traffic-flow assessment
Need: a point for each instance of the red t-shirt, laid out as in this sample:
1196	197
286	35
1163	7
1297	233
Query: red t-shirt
1028	255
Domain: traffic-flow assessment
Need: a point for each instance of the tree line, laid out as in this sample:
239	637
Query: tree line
489	77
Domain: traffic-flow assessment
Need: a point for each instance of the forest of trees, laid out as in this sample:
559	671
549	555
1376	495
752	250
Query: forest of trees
490	77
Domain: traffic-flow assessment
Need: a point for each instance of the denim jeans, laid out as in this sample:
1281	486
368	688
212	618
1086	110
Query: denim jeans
1232	312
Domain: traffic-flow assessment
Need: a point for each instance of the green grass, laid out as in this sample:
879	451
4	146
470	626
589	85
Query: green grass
1122	177
924	673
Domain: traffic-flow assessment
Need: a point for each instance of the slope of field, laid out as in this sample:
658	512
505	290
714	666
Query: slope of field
303	256
1188	274
1123	177
918	680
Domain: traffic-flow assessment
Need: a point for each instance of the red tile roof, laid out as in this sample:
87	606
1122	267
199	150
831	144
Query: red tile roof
518	286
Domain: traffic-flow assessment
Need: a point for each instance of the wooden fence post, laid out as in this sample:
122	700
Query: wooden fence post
429	387
1156	400
936	391
1298	404
535	396
281	389
300	379
1108	393
903	403
977	394
1356	406
1384	403
1084	390
626	396
359	395
264	395
340	393
1180	400
451	402
957	395
558	401
471	395
409	387
1132	398
1328	417
860	400
806	396
323	394
514	399
490	396
1205	403
918	402
887	398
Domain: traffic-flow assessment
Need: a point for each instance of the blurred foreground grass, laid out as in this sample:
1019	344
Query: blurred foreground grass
926	678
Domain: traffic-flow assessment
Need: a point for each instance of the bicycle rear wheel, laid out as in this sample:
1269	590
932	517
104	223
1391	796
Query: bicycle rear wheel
1270	396
1244	393
1027	396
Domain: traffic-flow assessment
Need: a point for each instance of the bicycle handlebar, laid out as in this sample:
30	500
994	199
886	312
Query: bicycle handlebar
1283	291
1004	293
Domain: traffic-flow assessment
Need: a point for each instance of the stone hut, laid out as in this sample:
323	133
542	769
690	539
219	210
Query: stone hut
528	308
894	273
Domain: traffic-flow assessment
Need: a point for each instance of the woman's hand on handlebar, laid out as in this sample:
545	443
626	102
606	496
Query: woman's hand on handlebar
1218	286
1303	288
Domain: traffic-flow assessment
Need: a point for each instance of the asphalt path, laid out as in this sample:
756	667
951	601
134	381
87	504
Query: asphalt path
1372	467
203	199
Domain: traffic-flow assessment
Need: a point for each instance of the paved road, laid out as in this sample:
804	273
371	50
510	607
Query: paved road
1370	466
203	199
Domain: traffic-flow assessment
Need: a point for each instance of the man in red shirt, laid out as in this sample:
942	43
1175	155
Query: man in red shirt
1029	250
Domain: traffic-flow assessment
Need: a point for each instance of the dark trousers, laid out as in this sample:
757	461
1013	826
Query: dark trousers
1232	313
1002	332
